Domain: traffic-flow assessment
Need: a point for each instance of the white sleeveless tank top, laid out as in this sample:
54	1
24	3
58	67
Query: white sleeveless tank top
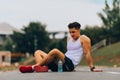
74	51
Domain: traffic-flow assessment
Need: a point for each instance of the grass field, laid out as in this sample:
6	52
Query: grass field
106	56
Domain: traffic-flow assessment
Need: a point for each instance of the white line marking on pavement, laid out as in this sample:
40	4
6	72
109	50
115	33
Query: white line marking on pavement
113	72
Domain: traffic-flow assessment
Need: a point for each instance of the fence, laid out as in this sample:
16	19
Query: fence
98	45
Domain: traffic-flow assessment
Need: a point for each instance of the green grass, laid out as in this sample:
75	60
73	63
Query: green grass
106	56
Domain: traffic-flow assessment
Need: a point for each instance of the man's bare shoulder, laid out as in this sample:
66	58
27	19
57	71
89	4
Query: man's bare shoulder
85	38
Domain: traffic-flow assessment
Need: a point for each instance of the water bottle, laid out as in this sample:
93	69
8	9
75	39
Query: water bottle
60	66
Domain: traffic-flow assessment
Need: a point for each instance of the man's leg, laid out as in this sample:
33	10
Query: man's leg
39	56
54	54
42	58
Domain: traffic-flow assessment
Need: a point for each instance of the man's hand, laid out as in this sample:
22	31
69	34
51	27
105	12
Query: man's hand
93	69
97	70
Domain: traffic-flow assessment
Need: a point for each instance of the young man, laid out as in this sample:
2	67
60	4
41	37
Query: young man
77	47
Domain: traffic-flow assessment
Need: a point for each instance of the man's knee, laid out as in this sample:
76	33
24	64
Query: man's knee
55	51
37	52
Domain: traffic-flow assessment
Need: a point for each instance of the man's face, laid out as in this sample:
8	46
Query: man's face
75	33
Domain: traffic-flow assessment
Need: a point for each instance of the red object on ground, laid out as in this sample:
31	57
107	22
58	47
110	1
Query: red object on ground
41	68
26	69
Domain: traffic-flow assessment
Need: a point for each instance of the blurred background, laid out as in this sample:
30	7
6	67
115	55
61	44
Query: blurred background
29	25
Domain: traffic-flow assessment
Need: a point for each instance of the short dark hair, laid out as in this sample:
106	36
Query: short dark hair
75	25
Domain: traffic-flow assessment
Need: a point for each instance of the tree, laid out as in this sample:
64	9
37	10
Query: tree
111	17
34	37
59	44
95	33
9	45
116	32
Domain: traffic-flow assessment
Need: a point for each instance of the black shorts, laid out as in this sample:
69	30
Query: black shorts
67	66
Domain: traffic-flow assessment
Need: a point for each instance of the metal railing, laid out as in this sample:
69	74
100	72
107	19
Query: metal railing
99	44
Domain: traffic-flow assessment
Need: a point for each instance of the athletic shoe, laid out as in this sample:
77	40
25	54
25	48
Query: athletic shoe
41	68
26	69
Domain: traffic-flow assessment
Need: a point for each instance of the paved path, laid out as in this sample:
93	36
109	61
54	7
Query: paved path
82	73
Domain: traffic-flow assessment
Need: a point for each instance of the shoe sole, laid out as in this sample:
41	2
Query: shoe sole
41	68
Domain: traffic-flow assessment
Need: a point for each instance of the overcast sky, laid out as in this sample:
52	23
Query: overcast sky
56	14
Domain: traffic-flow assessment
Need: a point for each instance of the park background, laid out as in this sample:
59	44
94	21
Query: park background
23	42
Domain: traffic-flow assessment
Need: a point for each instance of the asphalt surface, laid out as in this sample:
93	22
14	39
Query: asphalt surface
81	73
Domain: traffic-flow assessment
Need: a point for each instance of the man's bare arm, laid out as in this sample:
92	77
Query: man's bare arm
86	43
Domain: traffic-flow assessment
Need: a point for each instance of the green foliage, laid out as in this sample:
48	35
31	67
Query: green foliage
59	44
116	32
111	20
62	45
95	33
111	14
9	45
34	37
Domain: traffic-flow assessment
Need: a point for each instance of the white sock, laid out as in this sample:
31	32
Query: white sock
33	67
